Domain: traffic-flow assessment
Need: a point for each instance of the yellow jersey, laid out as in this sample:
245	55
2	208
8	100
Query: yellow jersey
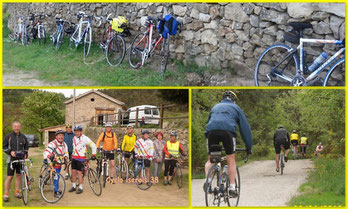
294	136
128	143
304	140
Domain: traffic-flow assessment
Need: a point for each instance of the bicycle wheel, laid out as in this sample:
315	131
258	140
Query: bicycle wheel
42	34
60	40
233	201
42	173
165	54
336	75
24	186
116	50
131	169
87	42
105	175
94	182
69	170
212	185
137	48
52	189
269	59
124	170
142	181
178	176
281	164
24	37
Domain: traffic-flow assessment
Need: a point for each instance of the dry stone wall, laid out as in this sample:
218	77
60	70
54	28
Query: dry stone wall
217	35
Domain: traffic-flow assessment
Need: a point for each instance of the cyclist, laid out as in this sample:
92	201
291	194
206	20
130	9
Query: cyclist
173	148
222	125
158	144
57	150
80	143
281	137
128	143
143	148
319	149
295	140
109	140
68	139
304	143
16	146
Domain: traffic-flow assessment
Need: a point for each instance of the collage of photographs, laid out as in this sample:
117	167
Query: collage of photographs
128	104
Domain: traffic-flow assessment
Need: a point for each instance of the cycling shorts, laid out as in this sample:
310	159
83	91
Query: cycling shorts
110	156
294	142
16	167
303	148
128	154
278	144
227	138
77	165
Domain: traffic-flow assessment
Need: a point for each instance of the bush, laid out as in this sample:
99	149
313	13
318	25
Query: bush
261	149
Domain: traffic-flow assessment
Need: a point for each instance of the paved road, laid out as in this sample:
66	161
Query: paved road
261	185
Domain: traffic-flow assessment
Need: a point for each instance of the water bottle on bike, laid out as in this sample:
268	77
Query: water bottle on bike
318	61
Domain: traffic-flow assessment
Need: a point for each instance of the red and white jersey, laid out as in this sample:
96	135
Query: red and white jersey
55	148
80	147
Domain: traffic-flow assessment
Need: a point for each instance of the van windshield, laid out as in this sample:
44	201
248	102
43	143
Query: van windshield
147	111
155	112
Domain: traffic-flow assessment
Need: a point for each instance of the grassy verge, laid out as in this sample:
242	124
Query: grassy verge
325	185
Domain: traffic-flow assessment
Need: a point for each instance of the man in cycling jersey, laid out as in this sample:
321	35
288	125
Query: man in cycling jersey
222	127
80	143
304	143
57	151
109	140
281	138
128	143
143	148
294	139
68	139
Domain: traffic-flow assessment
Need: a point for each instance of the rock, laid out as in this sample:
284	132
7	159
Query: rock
204	17
212	25
159	9
242	36
202	61
242	69
195	25
234	11
335	23
273	16
333	8
271	30
254	21
238	50
230	38
268	40
194	13
188	35
214	12
257	10
179	10
180	49
255	39
202	7
209	36
226	23
248	8
320	15
342	32
299	10
280	7
237	25
265	24
322	28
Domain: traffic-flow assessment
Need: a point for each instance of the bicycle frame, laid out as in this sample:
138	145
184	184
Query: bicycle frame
81	34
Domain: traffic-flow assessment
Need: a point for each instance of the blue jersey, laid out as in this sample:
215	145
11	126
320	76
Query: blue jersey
68	139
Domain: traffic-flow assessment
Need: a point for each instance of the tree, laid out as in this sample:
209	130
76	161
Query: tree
41	109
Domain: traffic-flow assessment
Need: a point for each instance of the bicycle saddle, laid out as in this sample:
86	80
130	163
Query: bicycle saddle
300	25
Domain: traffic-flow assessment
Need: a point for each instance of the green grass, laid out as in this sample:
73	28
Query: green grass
325	185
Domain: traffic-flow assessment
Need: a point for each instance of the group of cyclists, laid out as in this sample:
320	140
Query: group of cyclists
72	145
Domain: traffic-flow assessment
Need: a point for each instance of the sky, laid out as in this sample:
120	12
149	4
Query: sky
68	92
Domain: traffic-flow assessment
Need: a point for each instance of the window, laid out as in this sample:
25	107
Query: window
92	99
100	120
155	111
147	111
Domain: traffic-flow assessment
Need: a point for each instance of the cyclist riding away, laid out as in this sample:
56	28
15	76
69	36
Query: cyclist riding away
16	146
144	149
295	140
128	143
222	127
68	139
109	140
172	149
281	138
304	143
57	151
80	143
319	149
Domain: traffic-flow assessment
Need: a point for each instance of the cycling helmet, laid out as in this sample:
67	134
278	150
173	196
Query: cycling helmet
173	133
303	134
145	132
230	95
280	126
294	131
59	131
130	126
68	126
78	128
108	125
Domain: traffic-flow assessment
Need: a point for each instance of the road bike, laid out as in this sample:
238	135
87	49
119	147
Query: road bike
83	32
20	33
26	178
57	38
178	171
294	151
121	165
52	183
281	160
279	64
113	44
103	167
37	28
217	181
144	45
143	181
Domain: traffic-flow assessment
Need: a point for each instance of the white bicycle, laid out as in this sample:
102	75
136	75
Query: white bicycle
20	33
83	32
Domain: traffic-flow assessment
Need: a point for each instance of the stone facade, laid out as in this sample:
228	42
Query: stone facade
218	35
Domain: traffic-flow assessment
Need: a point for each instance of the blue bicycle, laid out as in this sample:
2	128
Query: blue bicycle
57	38
279	64
143	180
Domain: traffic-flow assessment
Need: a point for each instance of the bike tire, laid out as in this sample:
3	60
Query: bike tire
238	188
94	182
70	171
105	176
213	172
165	53
117	45
24	182
60	40
87	43
62	187
124	170
139	182
178	175
281	164
41	174
336	75
264	65
135	51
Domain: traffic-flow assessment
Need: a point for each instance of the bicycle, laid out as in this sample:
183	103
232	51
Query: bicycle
143	181
37	29
20	32
303	150
103	167
51	181
83	32
177	172
57	38
121	165
216	188
280	63
144	45
281	159
26	178
294	153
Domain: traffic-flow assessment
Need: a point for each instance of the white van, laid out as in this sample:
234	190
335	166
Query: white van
148	114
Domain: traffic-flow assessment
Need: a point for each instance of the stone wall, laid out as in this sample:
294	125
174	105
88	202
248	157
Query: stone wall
217	35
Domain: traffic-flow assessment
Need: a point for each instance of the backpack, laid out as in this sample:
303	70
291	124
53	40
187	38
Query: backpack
112	135
281	136
169	25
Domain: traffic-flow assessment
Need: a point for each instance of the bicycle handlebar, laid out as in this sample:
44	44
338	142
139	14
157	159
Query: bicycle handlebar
20	161
244	150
